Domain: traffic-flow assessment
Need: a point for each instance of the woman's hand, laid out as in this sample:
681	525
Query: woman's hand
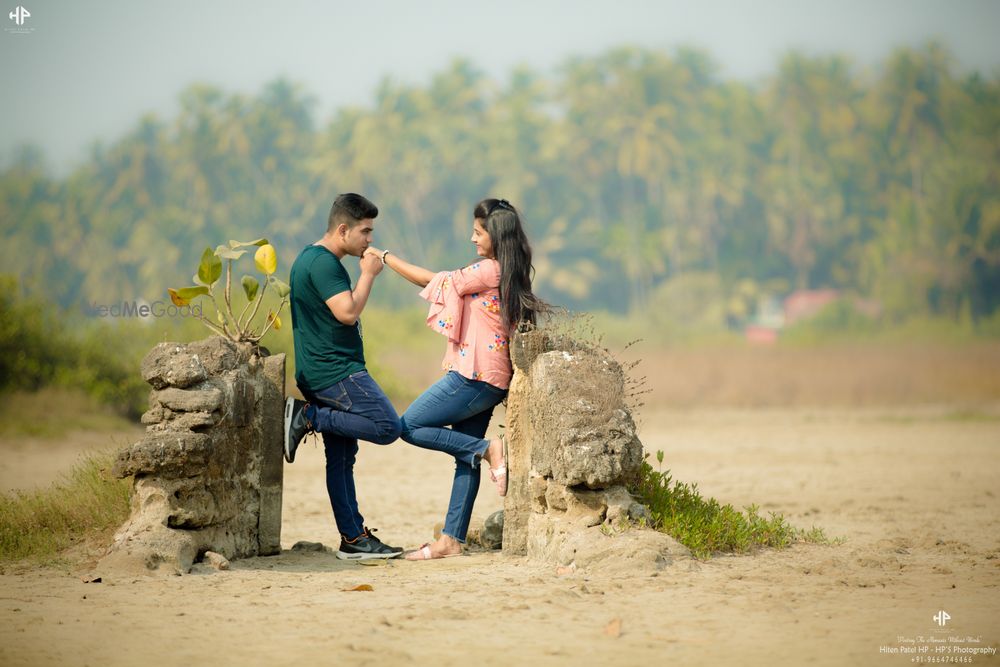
372	250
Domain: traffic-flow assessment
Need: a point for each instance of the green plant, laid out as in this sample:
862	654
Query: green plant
241	328
706	527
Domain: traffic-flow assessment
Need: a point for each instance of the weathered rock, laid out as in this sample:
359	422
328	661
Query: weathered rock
208	473
628	551
142	548
171	365
191	504
241	404
188	400
617	501
218	561
491	536
219	355
170	454
585	506
154	415
638	512
573	451
184	421
525	347
555	497
538	491
302	545
585	435
581	506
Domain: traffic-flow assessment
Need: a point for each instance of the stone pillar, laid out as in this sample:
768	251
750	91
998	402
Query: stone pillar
208	473
272	425
573	450
524	348
516	503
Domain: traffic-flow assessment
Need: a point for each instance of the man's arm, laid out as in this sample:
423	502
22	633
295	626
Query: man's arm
347	305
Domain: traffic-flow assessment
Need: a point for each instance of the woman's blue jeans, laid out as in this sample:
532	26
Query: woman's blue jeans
467	406
356	407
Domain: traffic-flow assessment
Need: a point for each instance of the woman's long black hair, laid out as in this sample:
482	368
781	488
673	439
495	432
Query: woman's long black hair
511	249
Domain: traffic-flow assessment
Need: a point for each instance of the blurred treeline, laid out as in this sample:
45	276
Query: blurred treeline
645	179
655	192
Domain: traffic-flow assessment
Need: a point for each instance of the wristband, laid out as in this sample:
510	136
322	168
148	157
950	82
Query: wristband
384	253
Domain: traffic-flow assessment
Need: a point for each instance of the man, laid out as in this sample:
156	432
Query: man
344	402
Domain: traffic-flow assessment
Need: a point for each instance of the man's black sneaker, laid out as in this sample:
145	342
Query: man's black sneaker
364	547
296	426
370	532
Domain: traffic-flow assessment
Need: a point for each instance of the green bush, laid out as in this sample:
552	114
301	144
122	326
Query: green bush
706	527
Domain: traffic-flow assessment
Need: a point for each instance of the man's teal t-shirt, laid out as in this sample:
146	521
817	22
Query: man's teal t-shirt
326	351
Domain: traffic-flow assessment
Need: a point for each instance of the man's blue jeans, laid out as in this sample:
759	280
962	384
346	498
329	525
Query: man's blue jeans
356	407
467	406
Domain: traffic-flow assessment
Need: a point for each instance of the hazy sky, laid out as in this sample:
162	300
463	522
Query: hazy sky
88	69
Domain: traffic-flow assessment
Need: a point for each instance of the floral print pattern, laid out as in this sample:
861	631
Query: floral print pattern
499	343
491	303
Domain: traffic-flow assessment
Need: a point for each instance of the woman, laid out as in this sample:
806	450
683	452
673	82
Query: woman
477	308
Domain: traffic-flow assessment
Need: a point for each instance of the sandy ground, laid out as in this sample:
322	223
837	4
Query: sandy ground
913	493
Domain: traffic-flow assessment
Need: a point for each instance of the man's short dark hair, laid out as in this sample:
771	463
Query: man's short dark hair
350	209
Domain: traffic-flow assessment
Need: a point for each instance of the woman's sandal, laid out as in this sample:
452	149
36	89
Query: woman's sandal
424	553
499	475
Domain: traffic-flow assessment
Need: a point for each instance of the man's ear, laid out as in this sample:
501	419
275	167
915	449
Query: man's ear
342	230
